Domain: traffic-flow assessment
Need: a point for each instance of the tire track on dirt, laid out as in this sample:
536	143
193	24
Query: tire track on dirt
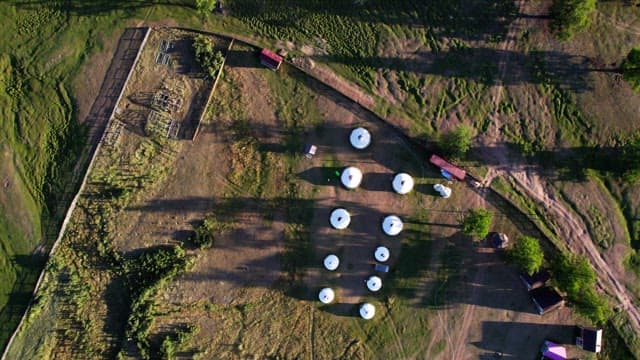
493	134
396	336
618	25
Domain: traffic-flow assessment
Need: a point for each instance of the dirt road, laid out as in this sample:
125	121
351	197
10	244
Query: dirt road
570	227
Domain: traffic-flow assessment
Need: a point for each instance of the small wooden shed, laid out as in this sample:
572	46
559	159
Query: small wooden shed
270	59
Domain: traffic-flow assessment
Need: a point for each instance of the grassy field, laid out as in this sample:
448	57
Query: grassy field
413	57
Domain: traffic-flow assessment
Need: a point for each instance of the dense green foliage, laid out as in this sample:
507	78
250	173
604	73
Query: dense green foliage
205	7
208	57
204	233
631	69
574	275
173	342
146	274
631	160
527	254
477	223
456	143
571	16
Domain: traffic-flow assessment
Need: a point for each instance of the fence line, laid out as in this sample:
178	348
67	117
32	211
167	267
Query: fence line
213	88
74	202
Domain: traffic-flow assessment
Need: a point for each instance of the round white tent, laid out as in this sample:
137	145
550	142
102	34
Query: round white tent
326	295
392	225
351	177
367	311
360	138
381	254
444	191
331	262
374	283
340	218
402	183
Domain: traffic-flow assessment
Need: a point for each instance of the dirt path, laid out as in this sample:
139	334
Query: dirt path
573	230
619	25
398	341
570	227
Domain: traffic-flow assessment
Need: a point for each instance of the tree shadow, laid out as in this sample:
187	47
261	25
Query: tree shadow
344	310
98	7
565	164
377	181
472	20
481	64
243	58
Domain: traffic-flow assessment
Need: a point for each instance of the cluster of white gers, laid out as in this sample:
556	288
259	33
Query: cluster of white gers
340	219
367	310
351	178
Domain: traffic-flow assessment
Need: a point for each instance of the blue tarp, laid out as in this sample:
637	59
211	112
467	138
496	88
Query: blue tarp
446	175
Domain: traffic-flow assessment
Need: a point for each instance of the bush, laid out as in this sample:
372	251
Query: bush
204	233
631	69
477	223
631	157
574	275
527	254
571	17
205	7
456	143
146	274
209	59
174	342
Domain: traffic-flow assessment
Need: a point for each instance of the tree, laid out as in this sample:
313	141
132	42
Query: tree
209	59
477	223
527	254
631	157
573	273
631	68
204	233
205	7
571	16
456	143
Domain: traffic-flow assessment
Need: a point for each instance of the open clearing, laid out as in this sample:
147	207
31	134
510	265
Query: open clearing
548	115
253	293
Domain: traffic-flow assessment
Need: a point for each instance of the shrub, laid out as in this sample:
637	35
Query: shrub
204	7
477	223
631	68
204	233
527	254
146	274
209	59
456	143
571	16
574	275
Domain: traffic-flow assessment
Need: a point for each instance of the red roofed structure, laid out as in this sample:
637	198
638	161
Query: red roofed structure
270	59
455	171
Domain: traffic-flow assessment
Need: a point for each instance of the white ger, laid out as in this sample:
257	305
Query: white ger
381	254
367	311
392	225
340	218
402	183
374	283
331	262
326	295
351	177
360	138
